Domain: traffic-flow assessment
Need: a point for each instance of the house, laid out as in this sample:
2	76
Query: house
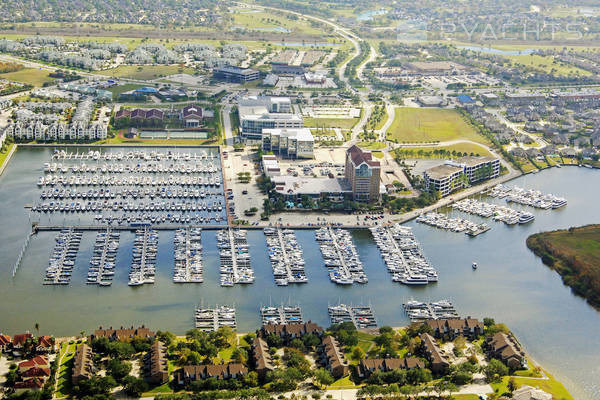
433	353
122	334
370	365
83	366
30	384
35	362
5	342
18	341
36	373
192	373
449	329
504	348
333	358
158	367
45	344
530	393
288	332
192	115
261	357
568	152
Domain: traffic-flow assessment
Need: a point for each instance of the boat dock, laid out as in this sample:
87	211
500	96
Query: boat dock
235	257
187	248
62	260
533	198
403	255
498	213
340	256
211	319
443	221
420	311
361	316
143	265
286	256
102	264
281	315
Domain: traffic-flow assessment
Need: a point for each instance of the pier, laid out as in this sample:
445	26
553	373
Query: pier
419	311
498	213
211	319
286	256
62	260
403	255
443	221
340	256
143	265
21	254
102	264
187	247
281	315
532	198
361	316
235	257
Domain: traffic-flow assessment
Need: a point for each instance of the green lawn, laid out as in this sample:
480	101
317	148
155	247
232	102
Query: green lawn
117	90
271	20
372	145
465	397
5	154
427	151
377	154
145	72
551	385
546	64
32	76
66	354
415	125
343	123
343	383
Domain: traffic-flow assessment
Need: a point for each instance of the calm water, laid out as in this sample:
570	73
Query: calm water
492	50
512	285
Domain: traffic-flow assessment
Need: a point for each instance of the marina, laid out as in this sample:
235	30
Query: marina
527	197
235	257
497	212
340	256
360	315
403	255
102	264
62	260
284	314
286	256
442	221
143	265
211	319
187	250
419	311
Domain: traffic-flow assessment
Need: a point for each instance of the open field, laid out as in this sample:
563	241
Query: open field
575	255
146	72
372	145
32	76
271	21
417	125
546	64
117	90
66	354
343	123
550	385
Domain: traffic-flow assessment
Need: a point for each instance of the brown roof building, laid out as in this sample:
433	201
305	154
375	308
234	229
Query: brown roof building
370	365
5	341
363	173
18	341
504	348
83	367
263	362
333	358
290	331
433	353
158	367
123	334
45	344
449	329
191	373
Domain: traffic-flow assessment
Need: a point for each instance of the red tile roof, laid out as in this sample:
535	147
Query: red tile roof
4	340
21	338
358	156
45	341
36	372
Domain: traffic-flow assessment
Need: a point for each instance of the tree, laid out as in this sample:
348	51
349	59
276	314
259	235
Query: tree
512	384
118	369
240	355
37	328
358	353
495	370
323	377
134	387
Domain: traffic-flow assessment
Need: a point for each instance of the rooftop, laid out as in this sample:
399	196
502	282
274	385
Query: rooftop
442	171
311	186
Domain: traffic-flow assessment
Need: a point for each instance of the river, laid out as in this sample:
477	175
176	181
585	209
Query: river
558	329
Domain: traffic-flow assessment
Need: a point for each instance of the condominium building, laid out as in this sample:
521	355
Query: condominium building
235	74
264	112
459	173
290	143
364	174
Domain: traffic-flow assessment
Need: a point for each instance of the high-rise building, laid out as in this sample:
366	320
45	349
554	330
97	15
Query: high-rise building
363	173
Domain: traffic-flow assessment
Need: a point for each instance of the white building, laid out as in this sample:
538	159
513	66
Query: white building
459	173
57	131
266	112
290	143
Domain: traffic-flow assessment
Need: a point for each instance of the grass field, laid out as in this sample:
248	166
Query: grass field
343	123
32	76
547	64
5	154
551	385
458	148
372	145
66	354
415	125
117	90
269	20
145	72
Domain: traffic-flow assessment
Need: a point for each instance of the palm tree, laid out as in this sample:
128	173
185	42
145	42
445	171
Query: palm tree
37	328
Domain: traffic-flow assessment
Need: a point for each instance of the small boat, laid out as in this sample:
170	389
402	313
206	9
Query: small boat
474	265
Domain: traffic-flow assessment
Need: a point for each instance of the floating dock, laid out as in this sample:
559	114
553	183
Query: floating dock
143	265
340	256
102	264
211	319
361	316
286	256
281	315
235	257
498	213
443	221
527	197
62	260
420	311
187	248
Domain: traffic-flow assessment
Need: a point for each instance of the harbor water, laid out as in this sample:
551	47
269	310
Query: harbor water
511	284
